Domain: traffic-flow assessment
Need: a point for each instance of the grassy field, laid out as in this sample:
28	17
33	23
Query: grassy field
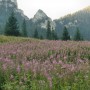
31	64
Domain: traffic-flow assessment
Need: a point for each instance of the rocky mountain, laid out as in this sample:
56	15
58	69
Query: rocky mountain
39	22
80	19
6	8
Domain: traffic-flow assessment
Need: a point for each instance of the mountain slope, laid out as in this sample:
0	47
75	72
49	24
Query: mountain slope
39	22
6	8
80	19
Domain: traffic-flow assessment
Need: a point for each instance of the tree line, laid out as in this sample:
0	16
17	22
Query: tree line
12	29
51	35
77	36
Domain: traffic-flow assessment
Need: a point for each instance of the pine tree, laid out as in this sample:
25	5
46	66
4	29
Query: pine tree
49	30
54	35
35	33
82	39
77	36
11	28
41	37
24	29
65	35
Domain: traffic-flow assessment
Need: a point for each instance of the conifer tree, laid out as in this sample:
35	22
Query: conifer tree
48	30
54	35
11	28
24	28
65	35
77	36
41	37
36	34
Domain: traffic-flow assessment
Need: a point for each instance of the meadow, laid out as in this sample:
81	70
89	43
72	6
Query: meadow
32	64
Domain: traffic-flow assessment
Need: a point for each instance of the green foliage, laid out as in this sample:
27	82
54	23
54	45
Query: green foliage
41	37
51	52
78	36
2	79
65	35
12	39
24	29
49	34
11	28
36	34
54	35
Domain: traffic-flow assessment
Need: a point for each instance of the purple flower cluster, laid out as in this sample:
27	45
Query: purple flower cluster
48	58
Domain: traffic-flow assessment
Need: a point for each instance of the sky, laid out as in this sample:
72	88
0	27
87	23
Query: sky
53	8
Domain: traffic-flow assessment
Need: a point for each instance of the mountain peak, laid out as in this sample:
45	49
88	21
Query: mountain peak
40	11
39	15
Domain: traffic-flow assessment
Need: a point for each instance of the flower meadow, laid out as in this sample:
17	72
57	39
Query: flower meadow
30	64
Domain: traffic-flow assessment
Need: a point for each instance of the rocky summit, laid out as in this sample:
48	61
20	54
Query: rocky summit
39	21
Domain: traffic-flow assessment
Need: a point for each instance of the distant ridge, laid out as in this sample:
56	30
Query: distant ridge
80	19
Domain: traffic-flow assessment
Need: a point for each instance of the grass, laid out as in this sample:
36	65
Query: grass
7	39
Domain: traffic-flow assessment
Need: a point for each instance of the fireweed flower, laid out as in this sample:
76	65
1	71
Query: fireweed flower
4	66
33	57
18	69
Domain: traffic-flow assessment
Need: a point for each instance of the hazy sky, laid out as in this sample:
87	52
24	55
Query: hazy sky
53	8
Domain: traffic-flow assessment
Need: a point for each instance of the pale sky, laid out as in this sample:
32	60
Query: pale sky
53	8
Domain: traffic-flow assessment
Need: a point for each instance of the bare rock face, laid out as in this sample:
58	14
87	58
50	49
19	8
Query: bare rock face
39	16
39	22
7	4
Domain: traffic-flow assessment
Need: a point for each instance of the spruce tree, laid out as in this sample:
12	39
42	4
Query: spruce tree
48	30
36	34
11	28
24	29
65	35
54	35
41	37
77	36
